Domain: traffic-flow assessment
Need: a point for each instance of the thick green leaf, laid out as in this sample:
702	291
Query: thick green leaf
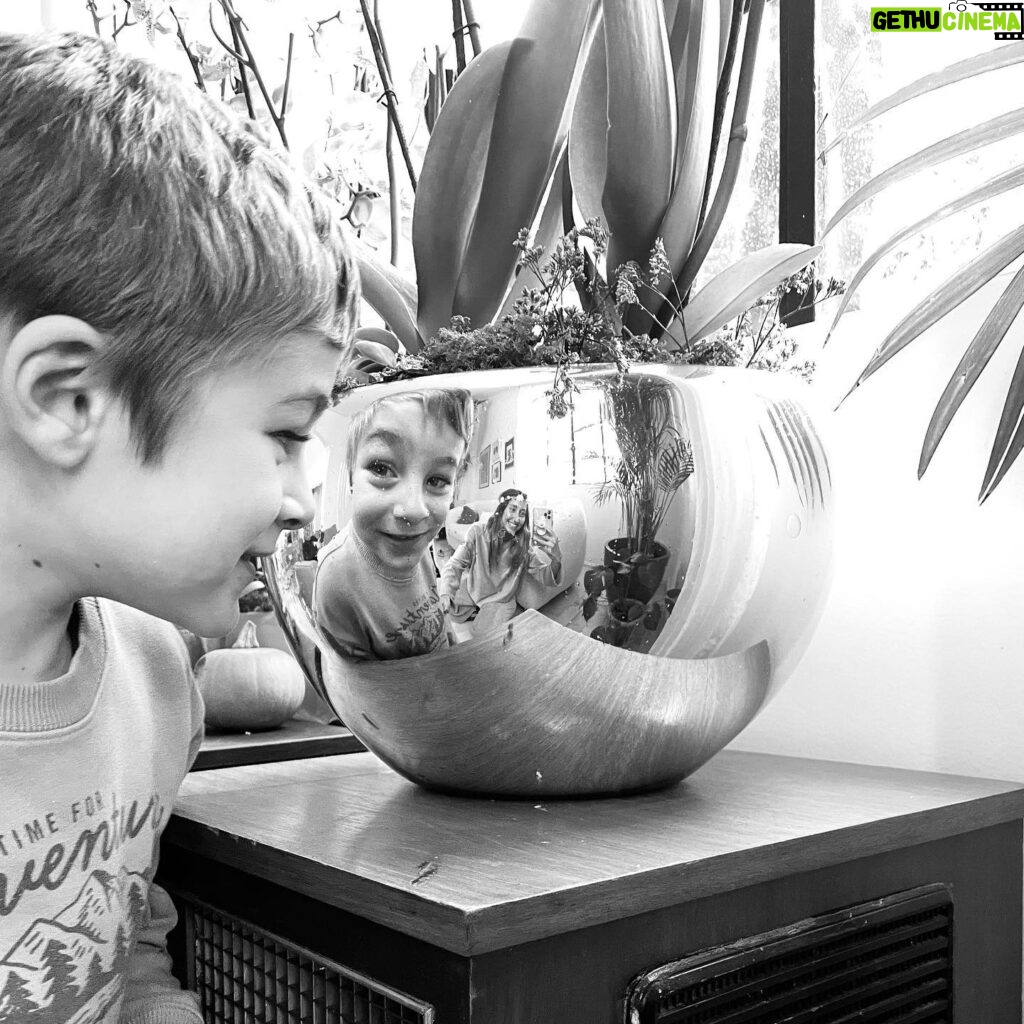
450	183
994	186
531	120
994	130
946	297
389	293
988	60
694	46
588	136
1009	434
378	335
737	287
975	359
724	24
374	353
641	127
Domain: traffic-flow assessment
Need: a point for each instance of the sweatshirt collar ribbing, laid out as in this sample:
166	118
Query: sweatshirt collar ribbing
378	567
58	703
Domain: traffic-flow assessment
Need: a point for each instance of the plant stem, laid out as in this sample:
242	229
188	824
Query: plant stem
118	29
192	58
287	83
390	98
241	62
389	155
737	137
238	34
94	14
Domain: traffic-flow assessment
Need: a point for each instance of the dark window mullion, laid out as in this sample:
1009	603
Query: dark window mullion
796	134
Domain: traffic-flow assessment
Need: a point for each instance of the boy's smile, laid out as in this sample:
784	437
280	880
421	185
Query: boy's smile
402	482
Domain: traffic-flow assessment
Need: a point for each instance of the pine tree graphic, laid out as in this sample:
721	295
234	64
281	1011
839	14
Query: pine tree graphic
15	1002
62	967
94	975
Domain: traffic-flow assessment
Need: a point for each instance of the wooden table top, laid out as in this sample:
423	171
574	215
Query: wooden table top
473	875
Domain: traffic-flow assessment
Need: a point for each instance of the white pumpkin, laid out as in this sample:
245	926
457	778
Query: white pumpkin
248	687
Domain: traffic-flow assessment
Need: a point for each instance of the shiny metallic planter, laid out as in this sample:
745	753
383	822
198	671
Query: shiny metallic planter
539	707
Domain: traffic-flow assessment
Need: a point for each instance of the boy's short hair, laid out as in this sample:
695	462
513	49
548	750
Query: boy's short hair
452	407
162	218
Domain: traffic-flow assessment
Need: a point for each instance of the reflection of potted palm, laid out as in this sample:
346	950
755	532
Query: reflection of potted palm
654	461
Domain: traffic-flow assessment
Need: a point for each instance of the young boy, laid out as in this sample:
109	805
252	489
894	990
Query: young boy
174	305
375	594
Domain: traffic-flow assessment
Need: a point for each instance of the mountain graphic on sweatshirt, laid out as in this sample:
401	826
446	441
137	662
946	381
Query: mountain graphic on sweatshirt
70	967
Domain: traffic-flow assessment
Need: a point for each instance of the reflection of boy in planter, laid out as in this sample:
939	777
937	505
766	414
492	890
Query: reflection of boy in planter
375	594
483	576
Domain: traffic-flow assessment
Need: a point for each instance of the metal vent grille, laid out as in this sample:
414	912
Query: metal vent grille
884	962
245	975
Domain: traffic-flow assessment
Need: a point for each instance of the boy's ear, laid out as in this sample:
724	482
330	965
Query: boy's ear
53	399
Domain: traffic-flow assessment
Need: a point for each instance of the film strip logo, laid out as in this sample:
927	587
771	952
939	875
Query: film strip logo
1017	7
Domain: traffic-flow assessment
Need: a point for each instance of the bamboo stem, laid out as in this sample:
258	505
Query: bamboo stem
390	99
457	34
389	155
474	27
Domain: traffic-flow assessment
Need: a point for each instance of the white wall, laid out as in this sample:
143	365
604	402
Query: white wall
919	658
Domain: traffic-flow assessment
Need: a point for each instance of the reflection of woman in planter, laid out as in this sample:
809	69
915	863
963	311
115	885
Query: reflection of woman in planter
482	577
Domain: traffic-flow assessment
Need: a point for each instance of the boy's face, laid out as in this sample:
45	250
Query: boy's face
176	538
402	482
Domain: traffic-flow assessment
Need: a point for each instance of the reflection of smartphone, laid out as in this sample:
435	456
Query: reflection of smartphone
541	516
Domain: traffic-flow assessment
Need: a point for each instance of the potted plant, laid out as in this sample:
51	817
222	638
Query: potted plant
602	115
542	243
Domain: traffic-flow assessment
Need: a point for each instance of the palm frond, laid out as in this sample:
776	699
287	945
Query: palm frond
974	360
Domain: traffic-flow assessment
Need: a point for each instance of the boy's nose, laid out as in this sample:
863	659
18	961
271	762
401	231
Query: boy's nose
411	506
297	508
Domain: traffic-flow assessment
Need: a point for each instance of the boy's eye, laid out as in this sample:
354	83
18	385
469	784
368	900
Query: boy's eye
439	483
379	468
291	437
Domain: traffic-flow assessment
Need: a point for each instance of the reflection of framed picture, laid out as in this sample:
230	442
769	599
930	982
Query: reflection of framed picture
510	452
484	474
496	473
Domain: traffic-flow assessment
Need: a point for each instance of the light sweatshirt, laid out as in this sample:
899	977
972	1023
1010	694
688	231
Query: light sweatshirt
90	764
368	611
468	579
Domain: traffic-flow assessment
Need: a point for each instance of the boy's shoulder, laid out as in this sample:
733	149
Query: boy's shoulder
130	638
341	549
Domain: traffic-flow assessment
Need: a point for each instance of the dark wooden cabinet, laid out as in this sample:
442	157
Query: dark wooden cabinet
332	889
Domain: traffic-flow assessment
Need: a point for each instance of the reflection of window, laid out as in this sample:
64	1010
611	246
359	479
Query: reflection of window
581	446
